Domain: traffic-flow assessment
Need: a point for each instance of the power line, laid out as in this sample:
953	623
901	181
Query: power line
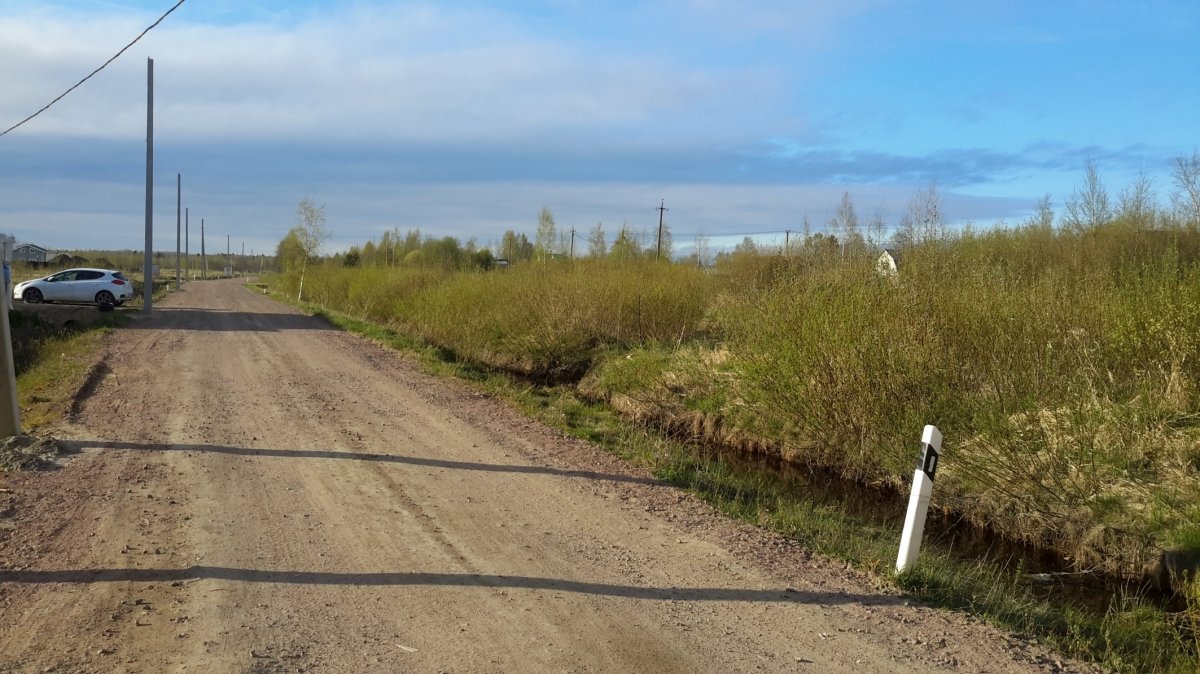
91	74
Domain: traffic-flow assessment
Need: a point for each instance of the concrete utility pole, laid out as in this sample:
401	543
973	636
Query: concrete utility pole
178	203
10	412
187	241
572	243
228	259
203	255
148	263
661	209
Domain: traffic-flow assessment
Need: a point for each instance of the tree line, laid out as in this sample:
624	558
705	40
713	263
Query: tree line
846	232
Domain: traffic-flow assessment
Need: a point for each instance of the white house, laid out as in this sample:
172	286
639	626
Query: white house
888	263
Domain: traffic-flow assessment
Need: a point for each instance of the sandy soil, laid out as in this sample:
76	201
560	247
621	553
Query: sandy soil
257	492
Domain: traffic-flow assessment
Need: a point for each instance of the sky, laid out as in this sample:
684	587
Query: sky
467	118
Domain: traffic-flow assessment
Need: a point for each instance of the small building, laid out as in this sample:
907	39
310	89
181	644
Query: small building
888	263
29	252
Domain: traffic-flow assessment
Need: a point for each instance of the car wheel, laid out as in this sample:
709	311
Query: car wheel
105	297
32	296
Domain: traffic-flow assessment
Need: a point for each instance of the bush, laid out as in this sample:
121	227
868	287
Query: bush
1062	372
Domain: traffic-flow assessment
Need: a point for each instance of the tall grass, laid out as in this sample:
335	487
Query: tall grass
1062	367
1064	381
548	321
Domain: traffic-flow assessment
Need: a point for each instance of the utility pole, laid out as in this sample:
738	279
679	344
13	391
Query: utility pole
178	204
203	254
661	209
228	259
187	244
148	262
787	240
572	243
10	410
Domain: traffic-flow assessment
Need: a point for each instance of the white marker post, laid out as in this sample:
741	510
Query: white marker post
918	501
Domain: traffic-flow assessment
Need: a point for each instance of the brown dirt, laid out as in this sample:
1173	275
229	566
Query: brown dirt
258	492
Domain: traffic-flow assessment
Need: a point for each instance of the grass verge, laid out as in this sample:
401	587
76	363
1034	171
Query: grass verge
55	364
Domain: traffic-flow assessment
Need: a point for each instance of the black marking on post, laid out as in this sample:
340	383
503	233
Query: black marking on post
929	459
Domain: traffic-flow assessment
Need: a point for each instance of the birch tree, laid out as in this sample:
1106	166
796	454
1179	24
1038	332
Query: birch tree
311	234
1187	188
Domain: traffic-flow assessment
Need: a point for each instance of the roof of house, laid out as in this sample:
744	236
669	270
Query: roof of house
32	245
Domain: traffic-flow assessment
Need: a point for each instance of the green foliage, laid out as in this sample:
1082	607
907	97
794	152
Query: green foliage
483	259
1058	366
551	322
626	247
515	247
53	363
290	251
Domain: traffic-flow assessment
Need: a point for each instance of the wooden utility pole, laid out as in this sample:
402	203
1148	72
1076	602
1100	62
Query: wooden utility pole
148	262
661	209
572	243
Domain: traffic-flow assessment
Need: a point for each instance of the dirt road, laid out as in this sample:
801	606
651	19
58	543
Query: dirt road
258	492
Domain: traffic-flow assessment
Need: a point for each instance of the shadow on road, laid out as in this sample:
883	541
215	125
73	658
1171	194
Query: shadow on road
80	445
434	579
216	320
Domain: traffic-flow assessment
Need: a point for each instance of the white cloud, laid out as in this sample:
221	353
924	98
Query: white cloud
383	73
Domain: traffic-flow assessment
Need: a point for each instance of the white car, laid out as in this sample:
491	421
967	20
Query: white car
102	286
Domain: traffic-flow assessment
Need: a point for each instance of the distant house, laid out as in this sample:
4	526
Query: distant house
29	252
888	263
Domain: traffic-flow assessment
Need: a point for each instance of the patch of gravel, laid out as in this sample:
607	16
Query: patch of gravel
30	452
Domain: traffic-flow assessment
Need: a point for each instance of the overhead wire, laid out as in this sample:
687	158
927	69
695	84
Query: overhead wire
93	73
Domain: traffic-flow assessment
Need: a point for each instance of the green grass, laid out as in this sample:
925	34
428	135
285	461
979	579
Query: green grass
54	364
545	322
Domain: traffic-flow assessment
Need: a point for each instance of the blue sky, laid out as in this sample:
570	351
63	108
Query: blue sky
466	118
